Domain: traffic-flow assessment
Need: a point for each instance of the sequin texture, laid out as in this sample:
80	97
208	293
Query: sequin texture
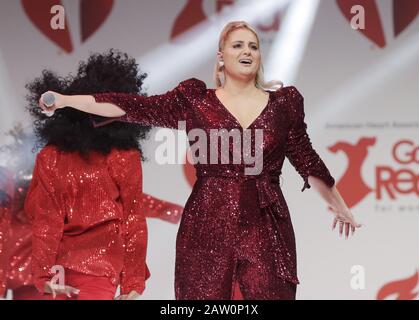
161	209
16	252
87	216
6	189
235	227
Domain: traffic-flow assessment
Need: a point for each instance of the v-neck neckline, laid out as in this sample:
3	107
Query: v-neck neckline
231	115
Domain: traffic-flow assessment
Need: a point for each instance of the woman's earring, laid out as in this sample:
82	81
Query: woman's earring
221	63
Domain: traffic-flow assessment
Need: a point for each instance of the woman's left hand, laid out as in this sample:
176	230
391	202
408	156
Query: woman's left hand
346	221
133	295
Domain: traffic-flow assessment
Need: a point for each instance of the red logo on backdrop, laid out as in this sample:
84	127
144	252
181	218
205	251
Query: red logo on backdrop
388	180
404	12
403	289
193	14
93	14
351	185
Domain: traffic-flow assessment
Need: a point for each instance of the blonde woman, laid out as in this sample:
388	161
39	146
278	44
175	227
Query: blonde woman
236	227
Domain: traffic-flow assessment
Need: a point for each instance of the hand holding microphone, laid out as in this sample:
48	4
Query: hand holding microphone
50	101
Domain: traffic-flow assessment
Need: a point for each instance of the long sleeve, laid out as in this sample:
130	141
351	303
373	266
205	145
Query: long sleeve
43	207
164	110
126	170
161	209
299	149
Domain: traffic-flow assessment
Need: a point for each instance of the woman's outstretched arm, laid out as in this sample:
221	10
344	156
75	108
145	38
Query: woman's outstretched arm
162	110
85	103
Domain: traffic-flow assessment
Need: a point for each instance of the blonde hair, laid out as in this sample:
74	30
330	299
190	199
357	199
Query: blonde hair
219	70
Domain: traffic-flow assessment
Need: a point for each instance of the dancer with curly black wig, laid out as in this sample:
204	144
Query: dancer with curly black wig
85	197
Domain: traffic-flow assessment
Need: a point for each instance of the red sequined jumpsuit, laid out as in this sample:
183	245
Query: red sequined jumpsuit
235	227
88	217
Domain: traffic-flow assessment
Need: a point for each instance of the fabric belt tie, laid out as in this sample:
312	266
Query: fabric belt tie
267	186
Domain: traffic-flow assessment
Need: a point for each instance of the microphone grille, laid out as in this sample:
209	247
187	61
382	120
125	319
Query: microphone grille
49	99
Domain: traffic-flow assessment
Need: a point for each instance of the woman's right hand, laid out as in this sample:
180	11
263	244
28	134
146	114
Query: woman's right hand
55	290
59	102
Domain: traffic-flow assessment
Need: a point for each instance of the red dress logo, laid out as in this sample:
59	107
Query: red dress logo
351	185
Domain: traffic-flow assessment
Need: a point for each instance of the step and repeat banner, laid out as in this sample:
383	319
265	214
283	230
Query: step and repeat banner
355	62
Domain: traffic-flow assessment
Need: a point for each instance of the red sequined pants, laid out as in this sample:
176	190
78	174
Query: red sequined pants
91	287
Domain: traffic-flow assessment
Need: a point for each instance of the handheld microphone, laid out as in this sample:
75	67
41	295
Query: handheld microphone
49	100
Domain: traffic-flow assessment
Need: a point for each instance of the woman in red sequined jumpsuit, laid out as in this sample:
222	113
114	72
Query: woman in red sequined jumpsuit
85	197
236	228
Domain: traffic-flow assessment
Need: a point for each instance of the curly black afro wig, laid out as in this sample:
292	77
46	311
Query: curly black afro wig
73	130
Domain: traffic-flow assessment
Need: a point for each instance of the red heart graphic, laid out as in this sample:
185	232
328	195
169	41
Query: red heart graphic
93	15
39	12
191	14
373	26
274	26
404	12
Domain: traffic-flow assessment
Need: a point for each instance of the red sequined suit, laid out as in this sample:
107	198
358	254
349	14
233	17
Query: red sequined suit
16	256
6	189
4	230
88	216
235	227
